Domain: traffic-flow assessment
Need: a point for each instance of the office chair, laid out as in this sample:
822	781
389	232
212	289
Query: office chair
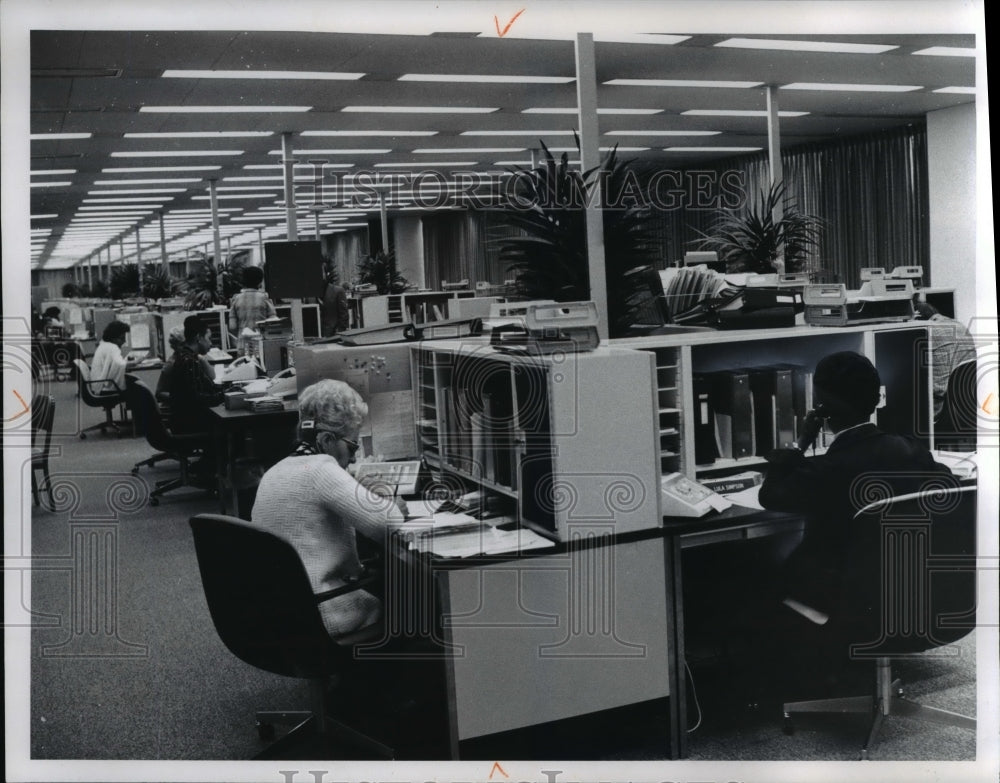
163	403
149	423
93	394
265	612
43	410
955	426
912	579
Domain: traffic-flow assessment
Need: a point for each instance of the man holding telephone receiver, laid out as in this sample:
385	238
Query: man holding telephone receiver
861	465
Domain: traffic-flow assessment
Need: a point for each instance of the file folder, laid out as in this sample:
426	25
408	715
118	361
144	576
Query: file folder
733	413
705	451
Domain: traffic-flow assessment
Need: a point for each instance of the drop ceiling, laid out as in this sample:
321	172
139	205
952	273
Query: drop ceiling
103	85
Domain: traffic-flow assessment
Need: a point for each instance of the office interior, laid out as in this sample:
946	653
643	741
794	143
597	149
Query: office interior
120	126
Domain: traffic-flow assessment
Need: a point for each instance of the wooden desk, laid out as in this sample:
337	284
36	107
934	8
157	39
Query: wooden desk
230	430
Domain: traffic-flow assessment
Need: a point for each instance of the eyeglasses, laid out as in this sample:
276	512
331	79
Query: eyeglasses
352	445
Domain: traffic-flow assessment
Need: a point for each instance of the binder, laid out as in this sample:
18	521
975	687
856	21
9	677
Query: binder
784	407
733	413
763	382
705	451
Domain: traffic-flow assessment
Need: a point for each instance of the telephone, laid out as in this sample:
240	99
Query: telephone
682	497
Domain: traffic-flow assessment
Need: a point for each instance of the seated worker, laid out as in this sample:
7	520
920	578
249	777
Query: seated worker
192	390
811	624
109	364
950	345
175	340
310	499
249	306
52	326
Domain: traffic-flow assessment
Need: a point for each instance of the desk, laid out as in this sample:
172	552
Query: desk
230	430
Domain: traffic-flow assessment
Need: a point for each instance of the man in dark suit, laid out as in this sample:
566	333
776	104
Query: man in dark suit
814	617
334	313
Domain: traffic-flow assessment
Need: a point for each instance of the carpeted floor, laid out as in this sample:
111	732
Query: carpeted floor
145	676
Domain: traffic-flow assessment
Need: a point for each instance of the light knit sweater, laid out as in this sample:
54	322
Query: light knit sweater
108	364
317	506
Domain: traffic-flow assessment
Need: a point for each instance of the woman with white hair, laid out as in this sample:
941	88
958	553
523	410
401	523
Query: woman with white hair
310	499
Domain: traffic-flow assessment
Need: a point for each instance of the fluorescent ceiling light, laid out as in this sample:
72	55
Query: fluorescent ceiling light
421	109
806	46
51	184
261	188
176	180
643	38
112	210
200	211
957	90
200	135
624	149
134	191
711	149
176	154
681	83
174	73
44	217
389	133
830	87
563	110
156	169
426	163
739	113
237	109
59	136
158	200
304	152
485	78
280	166
464	150
52	172
662	133
512	163
236	195
517	133
948	51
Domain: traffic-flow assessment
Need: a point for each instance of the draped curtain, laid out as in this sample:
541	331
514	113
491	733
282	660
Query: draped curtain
463	244
870	192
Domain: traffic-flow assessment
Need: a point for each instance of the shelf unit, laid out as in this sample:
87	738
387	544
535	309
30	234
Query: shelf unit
554	441
898	350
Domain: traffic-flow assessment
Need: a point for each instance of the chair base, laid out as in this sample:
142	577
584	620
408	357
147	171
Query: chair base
887	700
158	457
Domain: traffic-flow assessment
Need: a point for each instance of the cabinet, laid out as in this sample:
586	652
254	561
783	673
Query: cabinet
553	441
683	361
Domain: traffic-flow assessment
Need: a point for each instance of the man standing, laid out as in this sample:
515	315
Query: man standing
249	306
334	313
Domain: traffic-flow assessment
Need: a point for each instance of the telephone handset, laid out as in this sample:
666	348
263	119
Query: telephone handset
683	497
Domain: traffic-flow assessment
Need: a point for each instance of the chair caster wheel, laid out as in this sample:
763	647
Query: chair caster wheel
135	471
787	726
154	501
265	731
83	436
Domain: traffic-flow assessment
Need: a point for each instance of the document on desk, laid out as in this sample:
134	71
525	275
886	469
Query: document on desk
451	534
748	498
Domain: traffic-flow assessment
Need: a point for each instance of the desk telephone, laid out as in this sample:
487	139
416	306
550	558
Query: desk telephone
682	497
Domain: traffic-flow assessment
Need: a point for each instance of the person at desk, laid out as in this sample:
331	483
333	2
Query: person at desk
311	499
249	306
52	326
828	490
334	312
950	345
192	390
109	364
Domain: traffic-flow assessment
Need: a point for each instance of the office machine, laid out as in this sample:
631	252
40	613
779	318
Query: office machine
793	280
547	328
394	478
872	273
877	301
274	336
707	257
684	497
914	274
244	368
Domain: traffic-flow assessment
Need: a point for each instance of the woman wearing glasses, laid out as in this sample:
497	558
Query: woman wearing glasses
311	500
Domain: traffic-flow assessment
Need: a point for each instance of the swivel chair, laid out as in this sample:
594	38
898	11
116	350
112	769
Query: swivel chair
181	447
94	395
162	402
265	612
912	582
43	409
955	427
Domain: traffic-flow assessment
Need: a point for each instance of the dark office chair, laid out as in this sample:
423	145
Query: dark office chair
181	447
913	580
266	613
43	410
955	426
93	394
162	402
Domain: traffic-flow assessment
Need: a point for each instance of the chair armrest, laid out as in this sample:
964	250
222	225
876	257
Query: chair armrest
367	578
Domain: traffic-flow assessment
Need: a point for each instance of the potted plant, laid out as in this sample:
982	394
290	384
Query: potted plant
549	259
208	285
756	241
380	271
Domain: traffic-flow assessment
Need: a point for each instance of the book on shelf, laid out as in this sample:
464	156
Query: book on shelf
735	483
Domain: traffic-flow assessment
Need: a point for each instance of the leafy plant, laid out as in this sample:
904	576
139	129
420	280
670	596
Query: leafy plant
158	284
203	289
70	290
100	289
753	241
380	270
549	261
124	281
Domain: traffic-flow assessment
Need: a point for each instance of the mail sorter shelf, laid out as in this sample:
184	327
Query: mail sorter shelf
567	438
740	395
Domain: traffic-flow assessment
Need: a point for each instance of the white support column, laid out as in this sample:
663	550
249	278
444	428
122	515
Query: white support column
590	157
138	256
213	198
288	160
90	271
163	245
774	157
260	245
383	217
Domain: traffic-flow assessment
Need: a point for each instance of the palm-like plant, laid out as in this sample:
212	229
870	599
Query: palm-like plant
380	270
549	260
754	240
203	283
158	284
124	281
